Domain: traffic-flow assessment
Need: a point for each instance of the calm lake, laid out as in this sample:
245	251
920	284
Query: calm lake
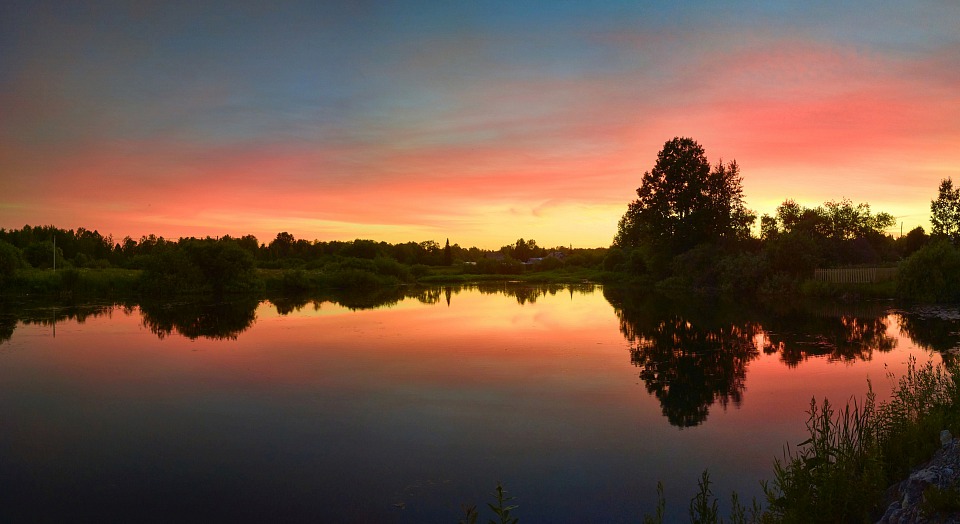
401	407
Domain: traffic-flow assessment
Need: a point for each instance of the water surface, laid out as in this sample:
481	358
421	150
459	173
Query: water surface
399	407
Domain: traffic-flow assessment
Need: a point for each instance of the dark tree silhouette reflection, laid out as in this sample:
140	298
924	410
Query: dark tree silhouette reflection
839	334
8	324
693	355
46	314
687	360
935	329
215	320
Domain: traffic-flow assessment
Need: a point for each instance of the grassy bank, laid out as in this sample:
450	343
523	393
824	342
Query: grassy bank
126	283
65	283
877	290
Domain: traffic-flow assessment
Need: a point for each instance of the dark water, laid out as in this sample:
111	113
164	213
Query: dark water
578	399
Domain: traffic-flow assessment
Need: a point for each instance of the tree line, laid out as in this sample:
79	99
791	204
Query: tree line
690	228
232	264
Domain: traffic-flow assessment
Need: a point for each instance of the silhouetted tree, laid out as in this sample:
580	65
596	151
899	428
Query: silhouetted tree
682	202
447	254
912	241
10	260
40	254
282	246
945	211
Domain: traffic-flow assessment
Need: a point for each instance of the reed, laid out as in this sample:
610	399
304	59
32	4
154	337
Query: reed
841	472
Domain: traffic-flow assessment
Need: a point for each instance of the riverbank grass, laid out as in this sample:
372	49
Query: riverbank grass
841	472
86	282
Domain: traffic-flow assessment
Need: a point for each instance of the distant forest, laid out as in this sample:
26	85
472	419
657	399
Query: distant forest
82	248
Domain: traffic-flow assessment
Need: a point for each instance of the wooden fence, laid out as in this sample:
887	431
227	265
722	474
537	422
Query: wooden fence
857	275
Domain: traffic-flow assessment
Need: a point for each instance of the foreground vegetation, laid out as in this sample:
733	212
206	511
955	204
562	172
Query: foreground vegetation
841	472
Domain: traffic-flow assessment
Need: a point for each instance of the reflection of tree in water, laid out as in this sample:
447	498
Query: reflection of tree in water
217	320
838	334
689	360
694	354
8	324
367	299
934	329
429	295
529	293
47	315
688	368
288	304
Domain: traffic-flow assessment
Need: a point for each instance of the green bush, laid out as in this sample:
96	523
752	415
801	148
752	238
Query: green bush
10	260
743	274
932	274
796	253
200	266
40	255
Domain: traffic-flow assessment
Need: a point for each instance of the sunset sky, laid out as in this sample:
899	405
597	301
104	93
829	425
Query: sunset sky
476	121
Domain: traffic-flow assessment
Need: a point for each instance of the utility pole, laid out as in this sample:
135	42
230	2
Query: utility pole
54	253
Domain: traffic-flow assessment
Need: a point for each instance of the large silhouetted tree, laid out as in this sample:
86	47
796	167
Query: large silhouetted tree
683	202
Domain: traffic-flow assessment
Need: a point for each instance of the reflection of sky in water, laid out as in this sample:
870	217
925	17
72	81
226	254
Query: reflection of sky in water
332	414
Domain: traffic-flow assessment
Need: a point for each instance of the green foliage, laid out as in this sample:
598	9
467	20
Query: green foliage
657	518
502	508
225	267
840	473
932	274
614	261
40	254
703	506
77	283
470	514
10	260
796	253
200	266
493	266
835	476
911	242
924	402
843	221
940	501
697	269
743	274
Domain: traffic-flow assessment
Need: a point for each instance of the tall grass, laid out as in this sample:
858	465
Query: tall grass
71	282
841	472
